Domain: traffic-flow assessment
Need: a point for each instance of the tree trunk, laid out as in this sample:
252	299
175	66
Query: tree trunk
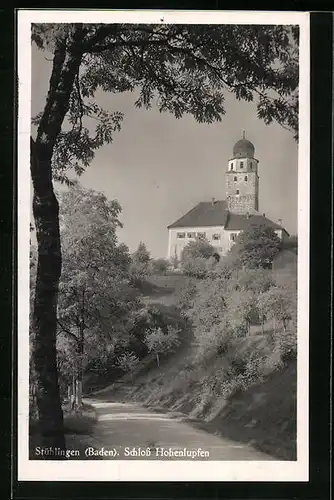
73	392
66	62
78	391
78	394
44	316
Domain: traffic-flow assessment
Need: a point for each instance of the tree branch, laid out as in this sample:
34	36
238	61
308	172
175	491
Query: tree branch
71	334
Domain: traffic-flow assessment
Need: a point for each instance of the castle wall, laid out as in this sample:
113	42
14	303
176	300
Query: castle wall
247	184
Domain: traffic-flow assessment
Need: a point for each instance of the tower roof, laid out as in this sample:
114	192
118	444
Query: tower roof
243	148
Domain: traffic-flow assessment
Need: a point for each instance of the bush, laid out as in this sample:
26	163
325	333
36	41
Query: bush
159	266
159	342
185	295
138	273
127	362
196	268
199	248
213	342
285	342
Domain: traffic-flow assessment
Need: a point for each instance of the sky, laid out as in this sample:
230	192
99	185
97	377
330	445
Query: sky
159	167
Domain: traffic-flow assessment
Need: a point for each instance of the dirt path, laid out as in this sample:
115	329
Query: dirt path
123	429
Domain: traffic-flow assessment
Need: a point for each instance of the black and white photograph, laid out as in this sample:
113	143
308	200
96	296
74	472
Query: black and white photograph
163	225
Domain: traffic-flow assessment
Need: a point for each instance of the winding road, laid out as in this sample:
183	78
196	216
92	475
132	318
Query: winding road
126	431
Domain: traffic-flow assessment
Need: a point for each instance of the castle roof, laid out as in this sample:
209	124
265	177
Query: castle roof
243	148
208	214
204	214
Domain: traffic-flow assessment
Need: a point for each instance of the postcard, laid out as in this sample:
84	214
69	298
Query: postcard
163	257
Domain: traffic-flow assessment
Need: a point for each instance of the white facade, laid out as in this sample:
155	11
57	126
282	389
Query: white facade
221	239
217	236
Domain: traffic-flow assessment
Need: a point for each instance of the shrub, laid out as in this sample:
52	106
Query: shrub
138	273
199	248
212	342
185	295
127	362
159	342
196	268
174	262
285	343
159	266
241	310
275	304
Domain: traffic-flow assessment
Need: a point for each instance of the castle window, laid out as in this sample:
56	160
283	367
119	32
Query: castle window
237	191
235	178
181	235
191	235
201	236
216	236
231	166
246	178
251	165
241	164
233	236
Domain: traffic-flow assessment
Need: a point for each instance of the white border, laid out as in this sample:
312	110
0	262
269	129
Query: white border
30	470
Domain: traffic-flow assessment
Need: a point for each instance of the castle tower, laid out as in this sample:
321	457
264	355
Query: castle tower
242	180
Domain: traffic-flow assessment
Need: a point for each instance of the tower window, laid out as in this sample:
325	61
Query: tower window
231	166
216	236
235	178
237	192
241	164
181	235
246	178
251	166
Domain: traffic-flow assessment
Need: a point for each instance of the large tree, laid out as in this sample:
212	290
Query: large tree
180	68
95	299
256	247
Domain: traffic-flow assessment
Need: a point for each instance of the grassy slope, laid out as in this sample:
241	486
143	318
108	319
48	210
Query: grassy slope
263	416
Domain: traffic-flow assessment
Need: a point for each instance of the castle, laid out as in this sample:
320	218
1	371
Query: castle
220	222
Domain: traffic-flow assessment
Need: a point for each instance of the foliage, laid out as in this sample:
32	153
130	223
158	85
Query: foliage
127	362
195	267
275	304
160	342
140	265
222	307
180	68
159	266
241	310
255	280
141	255
174	261
198	248
256	247
95	298
185	294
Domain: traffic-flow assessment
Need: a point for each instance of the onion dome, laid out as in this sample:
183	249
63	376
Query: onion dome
243	149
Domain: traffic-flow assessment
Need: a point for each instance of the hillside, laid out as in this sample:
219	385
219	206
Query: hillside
263	415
